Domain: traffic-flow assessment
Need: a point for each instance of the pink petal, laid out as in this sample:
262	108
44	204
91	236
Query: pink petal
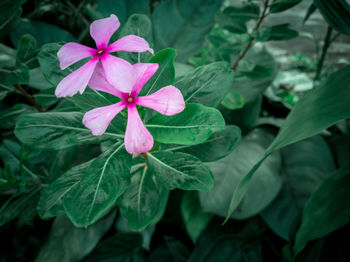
71	53
167	101
98	119
101	30
130	43
118	72
143	72
98	81
76	81
137	138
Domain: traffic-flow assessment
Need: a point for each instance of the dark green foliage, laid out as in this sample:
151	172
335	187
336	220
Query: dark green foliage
258	142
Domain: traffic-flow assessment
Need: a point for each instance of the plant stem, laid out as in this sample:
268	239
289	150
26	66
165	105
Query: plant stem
251	40
28	97
326	44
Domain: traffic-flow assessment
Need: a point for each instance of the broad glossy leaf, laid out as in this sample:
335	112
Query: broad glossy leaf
229	171
305	165
255	73
194	218
10	15
68	243
37	79
281	5
44	33
50	203
8	56
180	170
141	26
183	25
336	13
234	18
121	247
46	97
10	152
57	130
276	33
123	8
165	73
27	51
330	203
14	75
317	110
144	201
233	100
219	145
106	178
192	126
9	117
207	84
22	207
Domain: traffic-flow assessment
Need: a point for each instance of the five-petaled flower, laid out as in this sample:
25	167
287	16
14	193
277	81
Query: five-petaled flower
101	31
167	100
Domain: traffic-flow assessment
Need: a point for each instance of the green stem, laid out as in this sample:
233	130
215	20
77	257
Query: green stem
251	40
326	44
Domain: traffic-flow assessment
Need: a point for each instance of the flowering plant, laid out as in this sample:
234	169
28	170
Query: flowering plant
146	130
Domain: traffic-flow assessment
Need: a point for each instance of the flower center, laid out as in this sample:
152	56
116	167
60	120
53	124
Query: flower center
129	99
100	52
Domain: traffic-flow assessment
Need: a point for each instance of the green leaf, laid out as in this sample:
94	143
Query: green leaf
180	170
44	33
247	117
194	218
336	13
330	203
144	201
183	25
281	5
141	26
68	243
27	51
234	242
22	207
8	56
255	73
123	8
56	130
207	84
234	19
9	117
219	145
229	171
309	161
37	80
165	73
276	33
50	65
46	97
192	126
317	110
50	203
118	248
102	183
10	153
13	76
10	15
233	100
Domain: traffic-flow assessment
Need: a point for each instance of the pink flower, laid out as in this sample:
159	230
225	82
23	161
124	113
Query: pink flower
101	31
167	101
